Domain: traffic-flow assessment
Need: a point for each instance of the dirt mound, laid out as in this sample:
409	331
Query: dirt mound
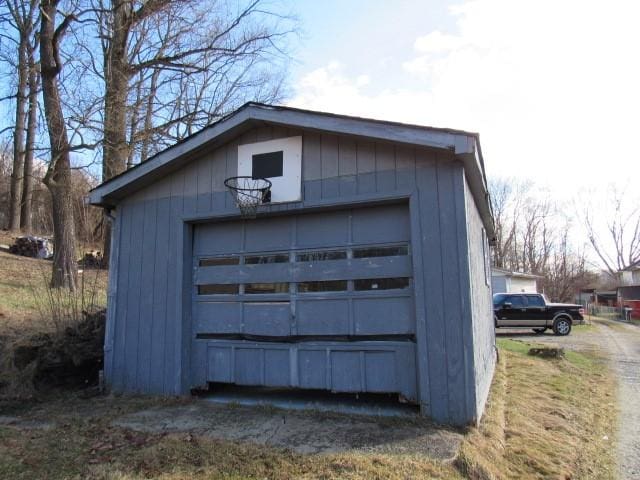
70	358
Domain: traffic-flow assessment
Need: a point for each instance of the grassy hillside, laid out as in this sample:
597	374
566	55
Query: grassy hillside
26	301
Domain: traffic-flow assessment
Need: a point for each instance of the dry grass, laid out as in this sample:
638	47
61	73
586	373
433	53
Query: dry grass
26	302
545	419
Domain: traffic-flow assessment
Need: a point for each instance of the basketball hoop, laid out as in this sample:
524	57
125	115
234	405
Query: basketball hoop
249	192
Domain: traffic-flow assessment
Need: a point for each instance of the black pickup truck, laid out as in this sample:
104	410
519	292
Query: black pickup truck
532	310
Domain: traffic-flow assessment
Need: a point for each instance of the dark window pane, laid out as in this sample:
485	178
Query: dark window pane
216	261
218	289
321	256
517	301
498	298
381	283
324	286
266	288
259	259
267	165
380	252
535	301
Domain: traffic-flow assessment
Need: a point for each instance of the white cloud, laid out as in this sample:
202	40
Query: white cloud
437	41
553	87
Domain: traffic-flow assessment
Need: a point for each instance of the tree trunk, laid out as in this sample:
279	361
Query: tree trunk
58	176
18	137
27	190
117	72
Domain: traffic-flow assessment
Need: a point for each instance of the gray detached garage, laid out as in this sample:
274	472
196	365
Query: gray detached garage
364	270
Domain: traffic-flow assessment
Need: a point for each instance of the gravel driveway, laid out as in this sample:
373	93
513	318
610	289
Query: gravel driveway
621	343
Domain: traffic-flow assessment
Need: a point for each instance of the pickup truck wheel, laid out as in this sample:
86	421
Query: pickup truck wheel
562	326
540	330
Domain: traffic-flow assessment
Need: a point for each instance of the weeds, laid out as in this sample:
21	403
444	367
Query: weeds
60	308
37	320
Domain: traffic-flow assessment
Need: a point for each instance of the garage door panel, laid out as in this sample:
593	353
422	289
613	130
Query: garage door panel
267	234
380	367
322	229
381	225
217	238
383	316
248	366
380	374
265	273
267	318
346	372
218	317
312	369
277	368
322	317
220	362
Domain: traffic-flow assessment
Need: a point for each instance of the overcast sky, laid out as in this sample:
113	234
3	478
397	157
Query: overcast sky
552	86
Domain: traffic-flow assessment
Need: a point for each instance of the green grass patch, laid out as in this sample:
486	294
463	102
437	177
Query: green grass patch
513	345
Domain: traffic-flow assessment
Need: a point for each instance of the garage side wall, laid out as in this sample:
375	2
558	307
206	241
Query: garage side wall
146	342
483	331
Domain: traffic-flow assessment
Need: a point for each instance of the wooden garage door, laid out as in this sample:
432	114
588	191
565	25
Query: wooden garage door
308	296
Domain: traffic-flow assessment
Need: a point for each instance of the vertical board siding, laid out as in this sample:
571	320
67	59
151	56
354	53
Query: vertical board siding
451	292
432	268
122	289
174	310
145	300
132	322
329	168
385	167
148	328
482	331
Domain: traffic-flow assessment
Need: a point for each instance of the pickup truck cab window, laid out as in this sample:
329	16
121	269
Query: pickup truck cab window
535	301
498	299
517	301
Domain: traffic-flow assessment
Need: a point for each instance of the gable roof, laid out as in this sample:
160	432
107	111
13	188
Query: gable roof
465	146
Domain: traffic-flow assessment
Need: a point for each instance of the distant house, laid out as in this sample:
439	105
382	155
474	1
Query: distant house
504	281
629	297
607	298
629	276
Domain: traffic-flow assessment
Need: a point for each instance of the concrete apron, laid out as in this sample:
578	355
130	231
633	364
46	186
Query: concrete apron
301	431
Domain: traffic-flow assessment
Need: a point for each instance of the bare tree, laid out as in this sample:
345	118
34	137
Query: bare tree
58	176
171	67
566	271
616	241
5	181
30	141
532	236
20	16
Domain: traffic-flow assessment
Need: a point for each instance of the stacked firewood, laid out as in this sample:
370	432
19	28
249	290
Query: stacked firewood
30	246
